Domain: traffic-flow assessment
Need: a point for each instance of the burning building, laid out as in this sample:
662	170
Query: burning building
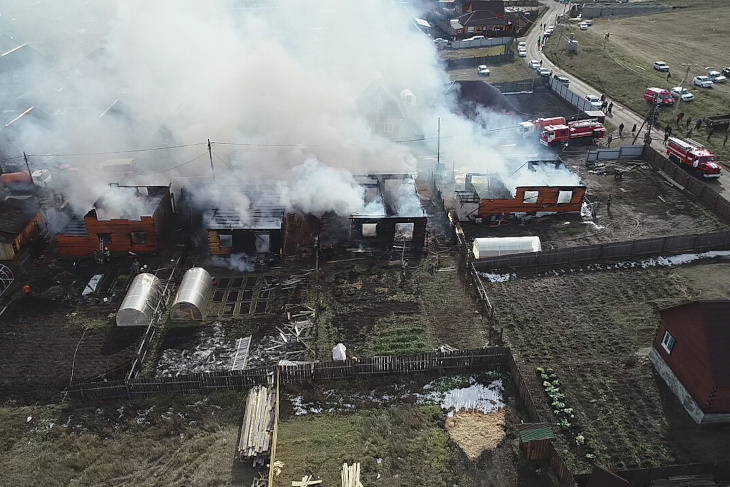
125	219
392	219
539	188
21	220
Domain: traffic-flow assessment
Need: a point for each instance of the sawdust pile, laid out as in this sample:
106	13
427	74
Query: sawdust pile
476	432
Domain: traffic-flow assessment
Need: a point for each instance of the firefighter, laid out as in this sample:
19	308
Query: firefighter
107	254
135	267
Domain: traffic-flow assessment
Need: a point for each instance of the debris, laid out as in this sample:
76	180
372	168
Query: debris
446	348
306	481
241	357
663	200
258	426
351	475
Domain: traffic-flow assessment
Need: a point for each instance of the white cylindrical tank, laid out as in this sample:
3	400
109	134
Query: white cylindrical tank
497	246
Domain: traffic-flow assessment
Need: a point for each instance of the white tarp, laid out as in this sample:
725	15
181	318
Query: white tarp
497	246
91	286
339	352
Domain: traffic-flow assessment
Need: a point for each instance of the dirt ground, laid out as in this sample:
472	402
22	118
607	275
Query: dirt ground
643	205
595	329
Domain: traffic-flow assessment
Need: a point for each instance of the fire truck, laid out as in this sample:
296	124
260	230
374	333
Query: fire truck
527	128
691	154
581	129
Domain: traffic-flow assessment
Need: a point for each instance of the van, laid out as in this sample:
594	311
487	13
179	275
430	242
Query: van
659	95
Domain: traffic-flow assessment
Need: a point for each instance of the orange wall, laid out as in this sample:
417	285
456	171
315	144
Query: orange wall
547	201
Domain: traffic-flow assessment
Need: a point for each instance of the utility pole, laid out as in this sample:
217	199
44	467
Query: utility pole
438	144
28	166
210	155
681	85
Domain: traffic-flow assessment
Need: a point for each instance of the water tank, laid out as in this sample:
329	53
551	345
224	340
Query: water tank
497	246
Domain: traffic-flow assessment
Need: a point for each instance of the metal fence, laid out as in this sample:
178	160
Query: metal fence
471	62
624	152
486	42
694	186
574	99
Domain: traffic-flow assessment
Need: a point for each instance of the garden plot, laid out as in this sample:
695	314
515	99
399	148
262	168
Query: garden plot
595	331
449	430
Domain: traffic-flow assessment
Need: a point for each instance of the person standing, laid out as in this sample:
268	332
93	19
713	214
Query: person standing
680	117
633	129
724	141
609	139
709	134
27	289
698	124
666	137
669	75
621	130
610	108
689	121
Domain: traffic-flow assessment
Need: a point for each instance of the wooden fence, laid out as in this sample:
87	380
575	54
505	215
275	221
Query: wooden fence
644	476
647	247
699	189
473	62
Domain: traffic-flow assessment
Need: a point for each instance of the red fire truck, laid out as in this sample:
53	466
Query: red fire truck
691	154
528	128
581	129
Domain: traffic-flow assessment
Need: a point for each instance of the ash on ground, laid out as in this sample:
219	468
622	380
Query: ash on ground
215	353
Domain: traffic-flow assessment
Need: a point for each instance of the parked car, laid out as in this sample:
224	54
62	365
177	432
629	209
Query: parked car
483	70
440	42
522	52
716	76
522	44
548	33
726	72
562	79
661	66
588	22
683	93
583	26
702	81
595	101
474	38
543	71
534	64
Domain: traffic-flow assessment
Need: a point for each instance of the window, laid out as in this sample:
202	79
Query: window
369	230
226	241
668	342
565	197
403	231
530	197
470	29
105	238
137	238
388	128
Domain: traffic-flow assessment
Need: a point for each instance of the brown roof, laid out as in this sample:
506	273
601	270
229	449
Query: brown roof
600	477
715	324
15	213
482	17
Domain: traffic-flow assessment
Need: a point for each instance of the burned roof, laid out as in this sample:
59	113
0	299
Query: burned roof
129	202
15	214
390	195
714	317
265	212
76	227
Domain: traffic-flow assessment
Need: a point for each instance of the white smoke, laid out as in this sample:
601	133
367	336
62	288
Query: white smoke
239	263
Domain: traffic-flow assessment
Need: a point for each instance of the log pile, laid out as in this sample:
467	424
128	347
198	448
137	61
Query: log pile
351	475
258	426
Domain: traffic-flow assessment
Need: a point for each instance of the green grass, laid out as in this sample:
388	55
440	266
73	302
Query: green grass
404	340
410	442
472	52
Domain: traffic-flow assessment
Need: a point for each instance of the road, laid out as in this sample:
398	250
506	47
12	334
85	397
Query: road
620	114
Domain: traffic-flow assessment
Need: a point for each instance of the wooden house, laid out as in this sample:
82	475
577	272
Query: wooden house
486	198
690	352
487	18
126	219
21	220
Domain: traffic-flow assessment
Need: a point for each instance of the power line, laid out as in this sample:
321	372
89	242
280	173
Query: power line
131	151
181	165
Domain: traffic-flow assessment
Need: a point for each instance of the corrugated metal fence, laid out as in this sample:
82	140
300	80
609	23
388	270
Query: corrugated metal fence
623	152
573	98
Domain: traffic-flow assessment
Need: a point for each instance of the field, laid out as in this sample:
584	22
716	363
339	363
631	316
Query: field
595	329
688	39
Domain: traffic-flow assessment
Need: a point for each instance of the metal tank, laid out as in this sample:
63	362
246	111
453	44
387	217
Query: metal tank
192	296
141	300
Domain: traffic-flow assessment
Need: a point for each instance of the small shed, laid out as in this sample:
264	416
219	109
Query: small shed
690	352
497	246
192	296
141	301
535	440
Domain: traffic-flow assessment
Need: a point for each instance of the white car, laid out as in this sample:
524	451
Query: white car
661	66
563	80
534	64
683	93
716	76
702	81
483	70
474	38
548	33
583	26
440	42
595	101
522	45
588	22
543	71
522	52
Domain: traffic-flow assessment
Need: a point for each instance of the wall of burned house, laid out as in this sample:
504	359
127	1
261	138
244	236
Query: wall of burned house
225	242
299	233
9	250
535	199
384	233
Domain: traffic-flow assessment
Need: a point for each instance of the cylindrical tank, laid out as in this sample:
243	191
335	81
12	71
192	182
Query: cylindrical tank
15	178
496	246
141	300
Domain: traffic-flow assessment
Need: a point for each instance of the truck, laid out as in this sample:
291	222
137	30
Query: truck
717	121
660	96
581	129
22	180
527	128
692	155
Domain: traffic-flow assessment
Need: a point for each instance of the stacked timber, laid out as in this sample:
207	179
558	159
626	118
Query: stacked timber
258	426
351	475
686	481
